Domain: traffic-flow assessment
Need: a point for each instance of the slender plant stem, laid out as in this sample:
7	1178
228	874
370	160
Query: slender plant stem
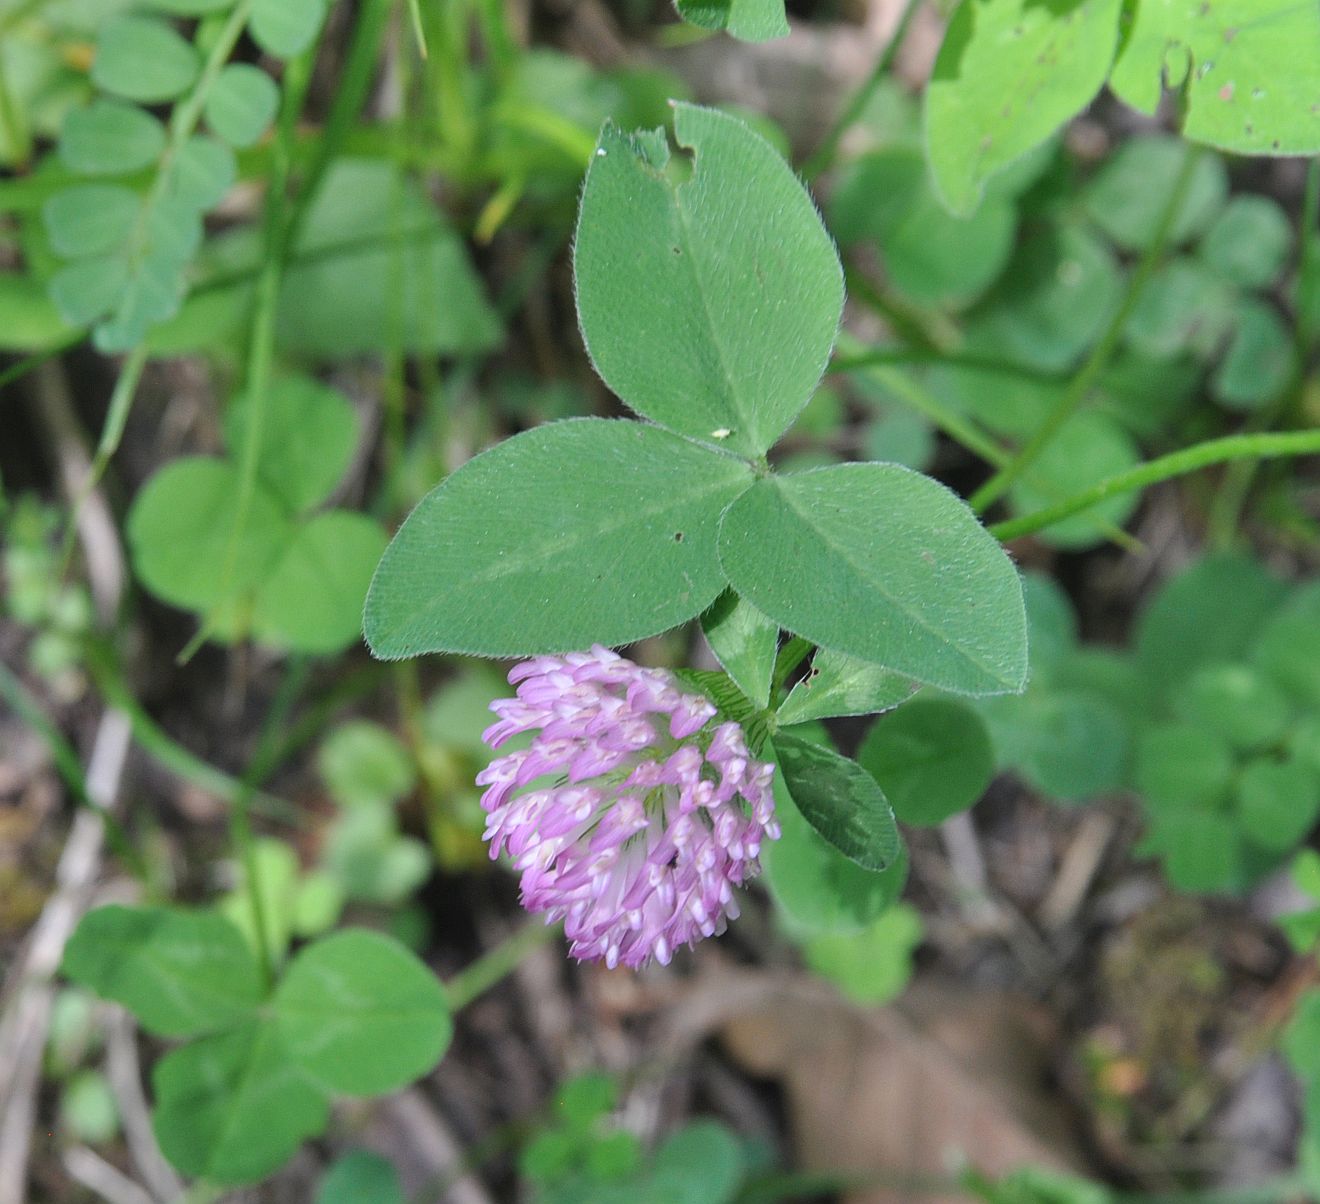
496	964
791	655
121	401
1102	352
824	154
69	766
351	93
1202	455
964	432
883	357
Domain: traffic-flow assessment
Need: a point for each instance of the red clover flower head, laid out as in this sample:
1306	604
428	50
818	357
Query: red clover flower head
641	817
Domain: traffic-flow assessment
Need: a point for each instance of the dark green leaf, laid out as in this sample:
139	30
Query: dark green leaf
840	800
1129	194
572	533
711	305
360	1177
885	565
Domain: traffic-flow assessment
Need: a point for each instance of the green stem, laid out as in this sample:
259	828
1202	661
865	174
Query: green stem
1214	451
829	145
354	84
479	976
1086	378
240	822
121	401
880	357
963	432
69	766
261	339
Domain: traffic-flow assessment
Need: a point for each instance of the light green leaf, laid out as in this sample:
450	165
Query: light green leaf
710	305
142	59
179	972
241	104
576	532
312	600
1129	194
89	289
1180	767
189	8
1287	650
1246	69
842	685
1184	307
1259	362
90	219
286	27
364	764
202	172
1009	74
931	757
180	528
840	800
276	866
360	1177
361	1014
703	1163
928	254
885	565
88	1110
1202	851
317	904
1210	612
110	138
874	965
750	20
371	861
30	321
308	432
1250	242
1236	702
1087	448
1070	744
383	270
745	642
232	1107
1278	802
